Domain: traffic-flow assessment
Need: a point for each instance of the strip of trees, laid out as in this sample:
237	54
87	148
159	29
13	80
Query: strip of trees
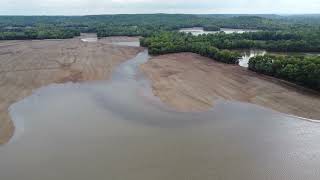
300	70
174	42
39	33
211	28
15	27
300	40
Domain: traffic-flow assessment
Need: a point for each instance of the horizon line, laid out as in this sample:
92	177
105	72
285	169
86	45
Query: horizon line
279	14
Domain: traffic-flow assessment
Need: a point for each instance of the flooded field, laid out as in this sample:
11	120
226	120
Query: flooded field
199	30
117	129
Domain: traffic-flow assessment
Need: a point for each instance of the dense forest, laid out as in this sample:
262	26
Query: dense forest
277	33
172	21
301	70
140	24
173	42
45	32
300	40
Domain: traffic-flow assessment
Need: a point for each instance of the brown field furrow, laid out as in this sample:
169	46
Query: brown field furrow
33	64
189	82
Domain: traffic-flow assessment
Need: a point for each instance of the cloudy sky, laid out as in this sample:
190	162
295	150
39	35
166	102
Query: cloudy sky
82	7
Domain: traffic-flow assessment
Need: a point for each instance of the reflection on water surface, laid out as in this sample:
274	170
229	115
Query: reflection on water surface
116	130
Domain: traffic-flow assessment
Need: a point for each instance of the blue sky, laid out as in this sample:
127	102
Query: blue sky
83	7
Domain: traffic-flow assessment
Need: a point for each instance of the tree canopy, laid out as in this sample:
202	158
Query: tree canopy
147	24
174	42
301	70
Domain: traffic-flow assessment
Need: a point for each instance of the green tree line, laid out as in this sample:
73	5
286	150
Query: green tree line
39	33
141	24
286	41
174	42
300	70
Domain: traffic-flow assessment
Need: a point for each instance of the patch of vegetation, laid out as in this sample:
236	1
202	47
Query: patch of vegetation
139	24
299	40
211	28
174	42
301	70
44	32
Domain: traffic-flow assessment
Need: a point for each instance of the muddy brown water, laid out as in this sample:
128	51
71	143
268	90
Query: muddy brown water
118	130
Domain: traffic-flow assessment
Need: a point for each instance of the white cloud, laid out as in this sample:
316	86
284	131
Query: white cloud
80	7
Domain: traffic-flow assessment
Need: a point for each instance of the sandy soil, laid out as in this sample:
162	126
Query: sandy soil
28	65
189	82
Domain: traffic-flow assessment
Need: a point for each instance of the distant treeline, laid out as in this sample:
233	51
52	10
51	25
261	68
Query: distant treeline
174	42
39	33
145	25
137	25
276	34
300	70
285	41
306	40
169	20
144	31
211	28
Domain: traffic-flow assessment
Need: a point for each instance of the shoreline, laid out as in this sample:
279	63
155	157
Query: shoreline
29	65
190	82
185	82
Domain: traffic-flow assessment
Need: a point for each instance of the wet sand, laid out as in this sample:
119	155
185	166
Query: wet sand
28	65
189	82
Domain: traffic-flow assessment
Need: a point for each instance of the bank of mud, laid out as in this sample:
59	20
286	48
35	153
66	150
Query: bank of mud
29	65
189	82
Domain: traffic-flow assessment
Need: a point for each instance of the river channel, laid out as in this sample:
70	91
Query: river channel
117	130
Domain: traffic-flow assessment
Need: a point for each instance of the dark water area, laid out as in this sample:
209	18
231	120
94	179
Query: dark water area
118	130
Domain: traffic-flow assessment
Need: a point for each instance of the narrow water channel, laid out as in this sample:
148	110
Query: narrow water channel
118	130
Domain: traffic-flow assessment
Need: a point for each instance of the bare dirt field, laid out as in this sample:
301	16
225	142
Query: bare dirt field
28	65
189	82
